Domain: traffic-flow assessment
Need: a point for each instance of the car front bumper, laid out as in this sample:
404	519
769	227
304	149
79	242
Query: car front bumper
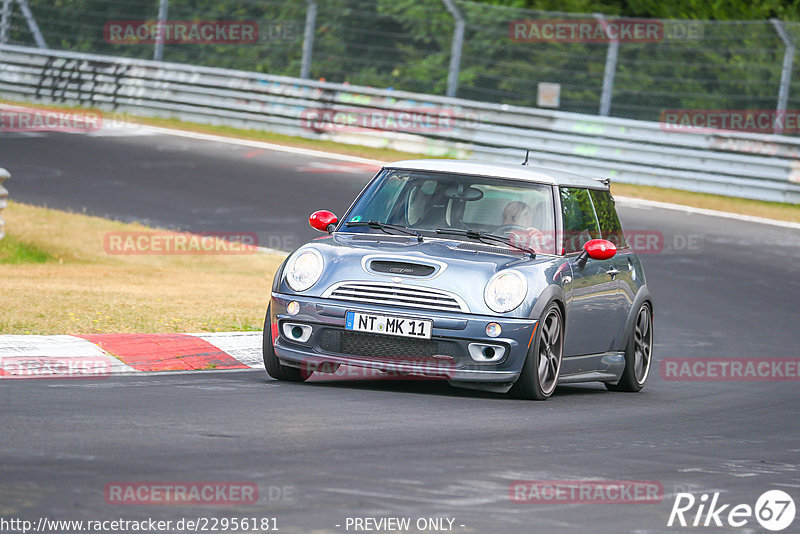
453	352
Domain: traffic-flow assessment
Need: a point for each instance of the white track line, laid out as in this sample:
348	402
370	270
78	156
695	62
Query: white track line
641	203
634	202
260	144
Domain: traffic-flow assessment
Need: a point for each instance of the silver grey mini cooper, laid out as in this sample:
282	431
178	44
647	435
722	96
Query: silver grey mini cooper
495	277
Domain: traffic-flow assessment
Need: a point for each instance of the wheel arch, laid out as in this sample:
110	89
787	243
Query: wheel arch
642	296
553	293
276	280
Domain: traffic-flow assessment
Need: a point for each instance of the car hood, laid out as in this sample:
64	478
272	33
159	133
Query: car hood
461	268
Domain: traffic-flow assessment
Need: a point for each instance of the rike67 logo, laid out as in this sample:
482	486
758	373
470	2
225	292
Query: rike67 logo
774	510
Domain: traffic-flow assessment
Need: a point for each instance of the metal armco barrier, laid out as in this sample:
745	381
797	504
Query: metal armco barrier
758	166
4	175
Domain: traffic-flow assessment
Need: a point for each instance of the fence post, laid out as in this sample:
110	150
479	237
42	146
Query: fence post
29	18
5	22
786	74
4	175
455	48
308	39
610	69
163	6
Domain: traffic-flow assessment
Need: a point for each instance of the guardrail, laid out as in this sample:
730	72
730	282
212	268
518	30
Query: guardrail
4	175
738	164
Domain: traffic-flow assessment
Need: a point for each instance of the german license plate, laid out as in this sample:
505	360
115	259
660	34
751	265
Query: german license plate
383	324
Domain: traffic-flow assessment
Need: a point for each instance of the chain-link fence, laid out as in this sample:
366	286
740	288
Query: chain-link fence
572	62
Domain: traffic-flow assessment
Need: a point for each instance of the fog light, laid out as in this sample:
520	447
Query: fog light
493	330
299	333
293	308
483	353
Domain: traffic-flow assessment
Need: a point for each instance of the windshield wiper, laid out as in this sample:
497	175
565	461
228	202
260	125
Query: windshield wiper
485	236
387	226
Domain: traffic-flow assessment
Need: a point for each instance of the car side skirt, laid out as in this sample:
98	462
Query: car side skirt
602	367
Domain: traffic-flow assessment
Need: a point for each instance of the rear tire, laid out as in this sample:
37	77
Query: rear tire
638	353
542	366
274	367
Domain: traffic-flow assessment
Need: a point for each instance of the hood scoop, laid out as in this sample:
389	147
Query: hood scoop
400	268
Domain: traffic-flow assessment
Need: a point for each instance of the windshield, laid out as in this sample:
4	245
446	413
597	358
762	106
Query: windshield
427	201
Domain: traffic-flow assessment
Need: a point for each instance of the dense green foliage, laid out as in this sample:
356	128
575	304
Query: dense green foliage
405	44
668	9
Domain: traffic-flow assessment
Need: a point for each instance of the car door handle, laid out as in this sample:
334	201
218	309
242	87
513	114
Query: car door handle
612	272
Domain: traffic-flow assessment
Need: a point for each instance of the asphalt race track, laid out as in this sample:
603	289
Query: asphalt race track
325	451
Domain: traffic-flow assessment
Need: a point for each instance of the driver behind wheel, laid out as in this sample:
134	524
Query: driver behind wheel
518	221
517	213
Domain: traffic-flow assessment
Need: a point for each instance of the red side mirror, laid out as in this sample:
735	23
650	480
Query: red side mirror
321	220
600	249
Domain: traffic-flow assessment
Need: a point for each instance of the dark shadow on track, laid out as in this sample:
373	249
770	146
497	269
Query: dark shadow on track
435	387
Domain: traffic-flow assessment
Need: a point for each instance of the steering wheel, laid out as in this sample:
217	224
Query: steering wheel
507	228
528	237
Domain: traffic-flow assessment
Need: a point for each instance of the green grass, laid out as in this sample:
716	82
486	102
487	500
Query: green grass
15	252
51	256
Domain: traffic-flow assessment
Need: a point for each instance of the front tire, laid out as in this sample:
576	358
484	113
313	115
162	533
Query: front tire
638	353
274	367
542	366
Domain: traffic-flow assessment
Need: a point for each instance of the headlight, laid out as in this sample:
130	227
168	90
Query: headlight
505	291
304	269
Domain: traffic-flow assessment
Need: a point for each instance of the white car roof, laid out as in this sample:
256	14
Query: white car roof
500	170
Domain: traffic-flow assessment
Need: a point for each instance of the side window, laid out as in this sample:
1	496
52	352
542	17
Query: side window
580	224
607	215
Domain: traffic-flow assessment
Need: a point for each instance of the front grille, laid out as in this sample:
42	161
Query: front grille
372	346
396	295
388	348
